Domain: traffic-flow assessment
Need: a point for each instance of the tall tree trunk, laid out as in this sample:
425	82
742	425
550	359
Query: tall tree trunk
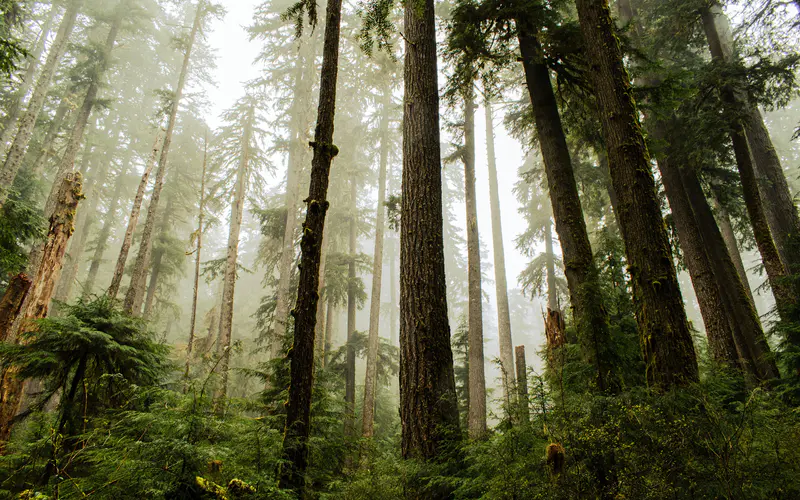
522	385
12	301
27	121
133	220
550	263
663	328
329	321
370	381
47	150
135	293
197	251
35	305
785	296
723	219
109	221
297	157
319	329
476	414
428	404
350	354
229	279
712	308
582	275
500	281
158	258
298	408
18	99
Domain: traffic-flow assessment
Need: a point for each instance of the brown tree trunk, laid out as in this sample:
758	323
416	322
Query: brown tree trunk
12	300
198	250
133	220
370	380
428	404
663	328
522	384
500	281
13	160
476	413
35	304
135	293
723	219
585	292
229	279
298	408
350	354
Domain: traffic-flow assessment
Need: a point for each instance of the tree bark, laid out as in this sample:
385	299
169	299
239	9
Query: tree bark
585	291
428	404
158	258
198	250
298	408
133	220
723	219
13	160
135	293
476	413
370	381
36	302
500	281
12	300
663	328
229	279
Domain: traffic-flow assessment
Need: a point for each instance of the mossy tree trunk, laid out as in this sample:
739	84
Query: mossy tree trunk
664	330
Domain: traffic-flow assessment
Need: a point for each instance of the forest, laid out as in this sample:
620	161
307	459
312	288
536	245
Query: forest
419	249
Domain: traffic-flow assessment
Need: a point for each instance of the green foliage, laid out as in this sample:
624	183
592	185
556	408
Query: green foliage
21	225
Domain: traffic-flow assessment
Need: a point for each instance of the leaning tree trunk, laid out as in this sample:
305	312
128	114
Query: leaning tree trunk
27	121
229	278
500	281
777	273
663	328
10	120
133	220
428	404
109	221
298	408
350	352
723	219
197	251
370	381
582	275
135	293
297	157
476	412
34	306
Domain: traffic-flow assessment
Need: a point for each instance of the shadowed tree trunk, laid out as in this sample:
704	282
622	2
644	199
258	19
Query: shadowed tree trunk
500	281
37	300
585	292
428	404
135	293
27	121
723	219
298	408
12	300
522	384
370	380
229	279
476	412
663	328
198	235
133	220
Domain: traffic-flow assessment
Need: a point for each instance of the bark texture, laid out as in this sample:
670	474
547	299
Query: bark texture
298	408
428	408
371	377
663	328
476	413
582	276
12	301
37	300
522	384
